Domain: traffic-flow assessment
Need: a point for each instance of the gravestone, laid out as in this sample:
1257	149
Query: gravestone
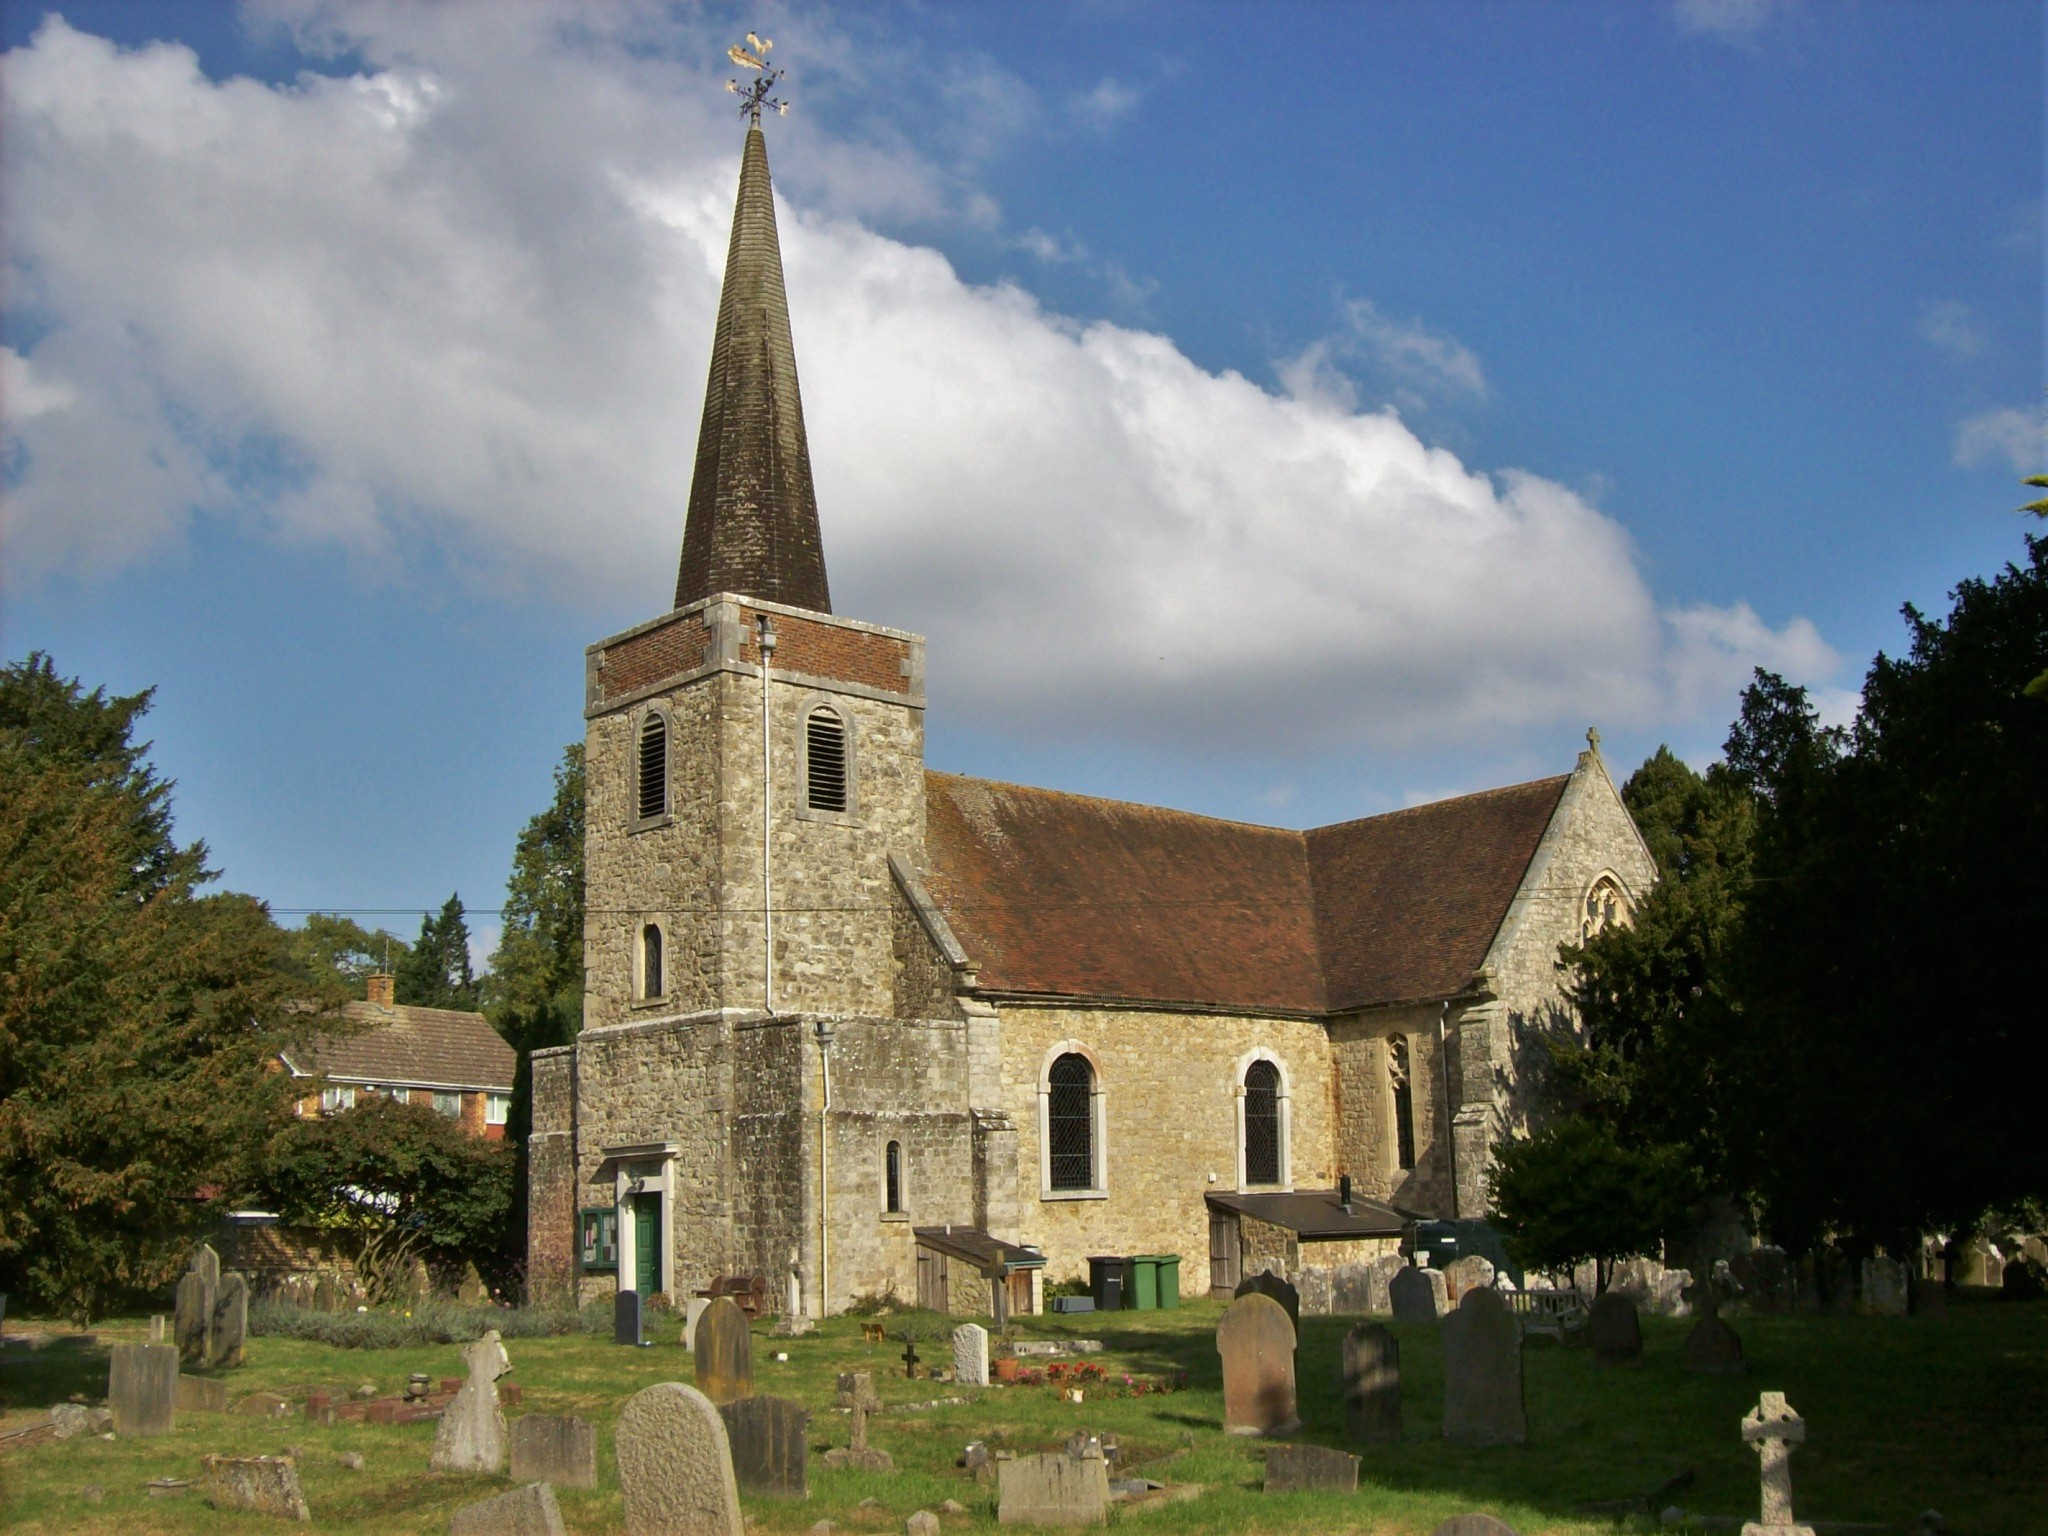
858	1388
675	1465
1713	1348
1461	1275
528	1511
1884	1287
230	1331
1417	1295
205	1263
970	1355
193	1317
857	1392
1266	1283
471	1437
1614	1330
693	1308
1371	1378
1256	1341
1483	1373
142	1389
725	1352
472	1292
1930	1299
766	1435
553	1448
198	1394
1055	1489
1310	1469
628	1322
264	1485
1351	1292
1771	1429
1474	1524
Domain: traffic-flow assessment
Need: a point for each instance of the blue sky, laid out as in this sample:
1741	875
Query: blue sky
1285	412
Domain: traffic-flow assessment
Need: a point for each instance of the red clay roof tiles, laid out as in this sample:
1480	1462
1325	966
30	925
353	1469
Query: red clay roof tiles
417	1047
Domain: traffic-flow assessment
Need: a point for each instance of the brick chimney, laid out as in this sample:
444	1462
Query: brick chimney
381	983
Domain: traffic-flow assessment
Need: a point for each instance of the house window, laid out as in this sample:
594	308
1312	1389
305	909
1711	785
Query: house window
825	760
334	1100
892	1177
1404	1101
1605	907
449	1104
497	1108
652	797
1262	1123
1070	1122
650	961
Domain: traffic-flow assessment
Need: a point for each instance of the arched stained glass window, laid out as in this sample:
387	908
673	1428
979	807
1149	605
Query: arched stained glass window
1070	1122
1262	1123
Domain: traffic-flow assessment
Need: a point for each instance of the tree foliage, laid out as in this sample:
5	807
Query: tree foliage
139	1019
435	972
329	949
1577	1193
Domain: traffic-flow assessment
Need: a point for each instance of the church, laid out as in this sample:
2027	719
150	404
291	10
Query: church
866	1028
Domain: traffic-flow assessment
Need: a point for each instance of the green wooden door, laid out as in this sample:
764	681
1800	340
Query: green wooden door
646	1244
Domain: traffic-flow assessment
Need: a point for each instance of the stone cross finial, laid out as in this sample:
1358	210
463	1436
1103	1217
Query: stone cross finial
754	97
1593	739
1773	1428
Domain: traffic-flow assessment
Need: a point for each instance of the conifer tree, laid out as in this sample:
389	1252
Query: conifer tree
436	972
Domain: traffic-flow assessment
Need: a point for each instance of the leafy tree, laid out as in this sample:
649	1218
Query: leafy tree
139	1020
1575	1192
329	948
390	1182
435	972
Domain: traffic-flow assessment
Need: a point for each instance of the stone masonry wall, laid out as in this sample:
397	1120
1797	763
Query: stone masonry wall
1170	1121
551	1183
1367	1147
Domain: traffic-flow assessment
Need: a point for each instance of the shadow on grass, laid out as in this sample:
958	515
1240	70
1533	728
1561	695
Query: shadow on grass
64	1365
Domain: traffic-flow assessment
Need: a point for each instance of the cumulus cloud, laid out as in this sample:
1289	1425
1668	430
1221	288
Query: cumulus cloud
1952	330
1730	20
2008	434
461	301
1403	360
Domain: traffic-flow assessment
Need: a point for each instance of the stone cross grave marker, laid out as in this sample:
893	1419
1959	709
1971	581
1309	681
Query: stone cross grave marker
675	1464
1371	1378
142	1389
1256	1341
970	1355
1483	1373
554	1448
628	1324
471	1436
528	1511
230	1332
1613	1329
1266	1283
1056	1489
767	1437
857	1392
1417	1295
1772	1428
725	1352
1310	1468
910	1358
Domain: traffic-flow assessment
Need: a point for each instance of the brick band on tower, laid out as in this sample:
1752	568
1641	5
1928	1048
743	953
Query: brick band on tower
753	520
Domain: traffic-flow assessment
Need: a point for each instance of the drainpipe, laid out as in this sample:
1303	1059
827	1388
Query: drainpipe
766	634
1443	1056
824	1029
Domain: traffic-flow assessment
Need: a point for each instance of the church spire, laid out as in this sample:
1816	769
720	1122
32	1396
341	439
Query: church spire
753	520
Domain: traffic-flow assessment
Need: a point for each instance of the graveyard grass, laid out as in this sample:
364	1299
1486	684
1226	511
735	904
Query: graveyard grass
1902	1415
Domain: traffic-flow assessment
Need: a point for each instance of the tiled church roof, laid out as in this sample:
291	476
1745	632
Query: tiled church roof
753	521
1067	896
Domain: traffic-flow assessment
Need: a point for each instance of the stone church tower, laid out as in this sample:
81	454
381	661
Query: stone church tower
854	1026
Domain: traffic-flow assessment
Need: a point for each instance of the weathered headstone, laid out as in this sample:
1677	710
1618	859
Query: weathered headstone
628	1321
1713	1348
1310	1469
471	1437
1461	1275
417	1284
528	1511
857	1389
1372	1383
265	1485
1483	1373
766	1435
1613	1330
1256	1341
205	1263
725	1352
194	1319
970	1355
553	1448
1772	1428
1266	1283
693	1308
857	1392
472	1292
1417	1295
1474	1524
142	1389
230	1331
198	1394
675	1465
1054	1489
1884	1286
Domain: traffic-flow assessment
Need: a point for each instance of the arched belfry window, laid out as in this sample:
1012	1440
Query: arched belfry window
892	1177
652	982
825	765
1070	1123
1262	1123
651	791
1605	907
1398	1080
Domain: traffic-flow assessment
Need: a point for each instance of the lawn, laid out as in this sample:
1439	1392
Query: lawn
1902	1415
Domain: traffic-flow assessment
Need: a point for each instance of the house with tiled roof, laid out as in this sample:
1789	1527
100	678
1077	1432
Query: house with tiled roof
859	1026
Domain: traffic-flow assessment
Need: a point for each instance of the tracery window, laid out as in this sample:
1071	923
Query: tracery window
1070	1123
825	760
1262	1123
651	798
1605	907
1398	1080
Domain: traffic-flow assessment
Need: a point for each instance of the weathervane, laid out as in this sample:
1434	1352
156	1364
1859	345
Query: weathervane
754	97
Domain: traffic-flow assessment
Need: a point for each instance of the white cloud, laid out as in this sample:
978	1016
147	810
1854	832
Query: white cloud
2015	436
1405	360
1952	330
1107	102
1049	248
462	302
1731	20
